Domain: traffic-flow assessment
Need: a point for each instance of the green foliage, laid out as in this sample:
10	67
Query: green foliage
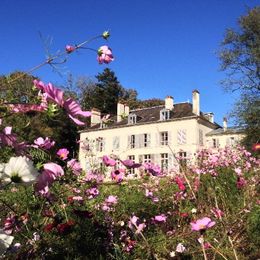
240	58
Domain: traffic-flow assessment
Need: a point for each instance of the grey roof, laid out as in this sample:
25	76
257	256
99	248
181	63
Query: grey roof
229	130
152	114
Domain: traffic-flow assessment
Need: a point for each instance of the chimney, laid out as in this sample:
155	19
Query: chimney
210	116
120	111
225	124
126	110
169	102
95	117
196	102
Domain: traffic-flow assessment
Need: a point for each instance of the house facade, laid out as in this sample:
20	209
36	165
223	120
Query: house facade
157	134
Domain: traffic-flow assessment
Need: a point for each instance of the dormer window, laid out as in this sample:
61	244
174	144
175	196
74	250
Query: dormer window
164	114
132	118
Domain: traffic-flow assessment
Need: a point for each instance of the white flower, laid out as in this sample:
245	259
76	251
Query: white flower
5	241
194	211
172	254
19	169
180	248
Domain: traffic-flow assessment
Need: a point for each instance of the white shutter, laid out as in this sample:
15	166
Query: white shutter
148	140
169	138
181	136
129	141
157	139
104	144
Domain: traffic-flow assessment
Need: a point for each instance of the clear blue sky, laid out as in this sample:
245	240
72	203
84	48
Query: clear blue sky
161	47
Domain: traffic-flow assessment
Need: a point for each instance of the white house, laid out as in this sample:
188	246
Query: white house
156	134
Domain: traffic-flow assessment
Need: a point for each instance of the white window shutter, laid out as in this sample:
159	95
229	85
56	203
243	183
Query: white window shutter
129	141
169	138
148	140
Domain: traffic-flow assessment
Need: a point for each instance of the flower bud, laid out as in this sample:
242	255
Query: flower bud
70	48
106	35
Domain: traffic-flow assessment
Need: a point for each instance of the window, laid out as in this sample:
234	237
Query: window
200	137
164	114
131	157
215	143
103	125
181	136
100	144
164	138
146	140
231	141
116	142
164	161
147	158
183	160
132	119
132	141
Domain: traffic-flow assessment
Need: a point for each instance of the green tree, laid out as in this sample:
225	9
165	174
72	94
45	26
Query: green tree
240	59
105	93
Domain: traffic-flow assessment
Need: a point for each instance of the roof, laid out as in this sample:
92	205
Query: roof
229	130
152	115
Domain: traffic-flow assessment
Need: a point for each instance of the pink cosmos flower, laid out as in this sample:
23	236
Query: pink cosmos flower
92	192
130	164
217	212
105	55
117	175
132	224
241	182
108	161
180	182
160	218
256	147
74	165
111	200
180	248
56	95
73	109
202	224
63	153
24	108
155	170
51	171
70	48
43	143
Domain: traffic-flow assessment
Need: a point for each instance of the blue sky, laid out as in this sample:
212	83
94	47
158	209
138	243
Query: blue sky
161	47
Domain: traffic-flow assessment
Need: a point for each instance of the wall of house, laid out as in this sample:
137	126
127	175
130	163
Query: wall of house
223	140
183	135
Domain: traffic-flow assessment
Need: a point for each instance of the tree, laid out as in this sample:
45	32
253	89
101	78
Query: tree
105	93
240	58
240	54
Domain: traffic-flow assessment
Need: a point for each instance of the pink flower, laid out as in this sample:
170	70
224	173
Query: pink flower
70	48
217	212
155	170
56	95
24	108
63	153
105	55
117	175
111	200
92	192
74	165
241	182
180	248
51	171
202	224
130	164
108	161
44	143
160	218
73	109
256	147
180	182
